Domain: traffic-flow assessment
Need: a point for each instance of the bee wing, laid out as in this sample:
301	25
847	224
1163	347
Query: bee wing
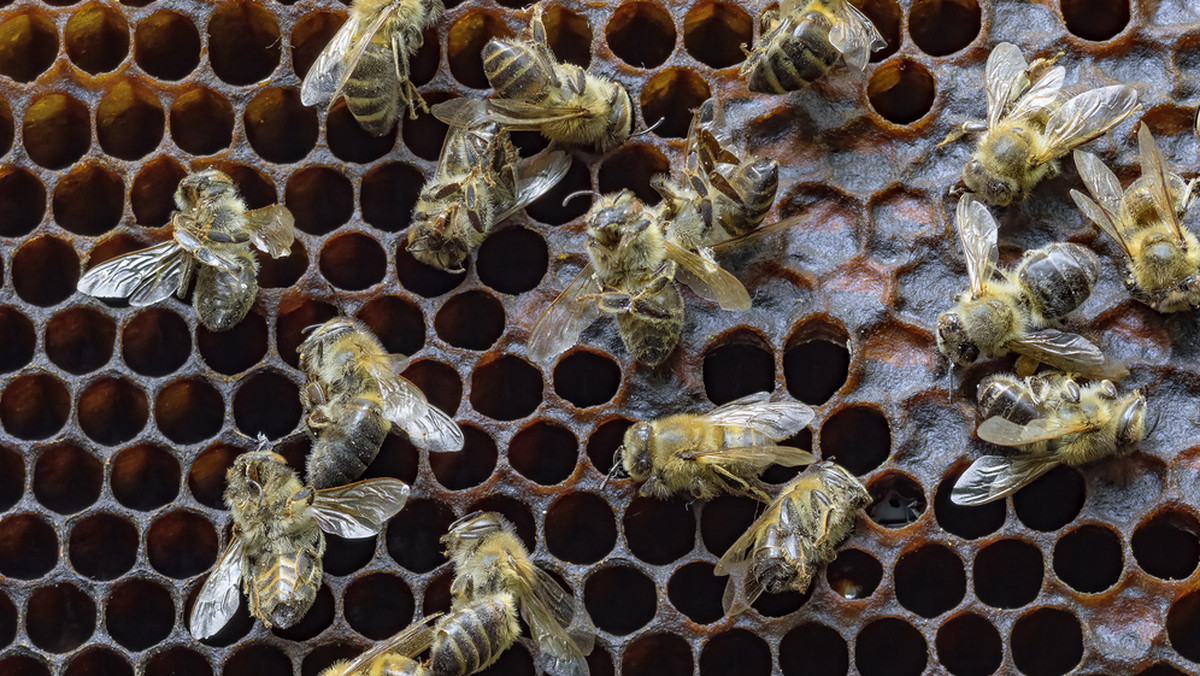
977	235
1005	79
1085	117
855	36
535	176
520	115
567	613
1004	432
544	606
434	431
404	404
741	591
1041	94
1102	183
567	317
409	642
1152	166
359	510
198	245
735	557
993	477
1068	352
218	599
709	280
272	229
142	277
460	112
759	456
777	420
337	61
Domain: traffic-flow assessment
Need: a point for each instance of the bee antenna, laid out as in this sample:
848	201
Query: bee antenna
1155	416
577	193
616	467
649	129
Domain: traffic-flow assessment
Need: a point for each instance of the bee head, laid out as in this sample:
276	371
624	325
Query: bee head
251	474
202	186
1131	425
433	243
634	452
469	531
993	190
953	341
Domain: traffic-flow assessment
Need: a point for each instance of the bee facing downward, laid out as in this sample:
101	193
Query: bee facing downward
352	396
1028	129
367	61
1013	312
722	451
275	548
803	39
631	275
1051	421
212	234
1161	256
796	535
534	92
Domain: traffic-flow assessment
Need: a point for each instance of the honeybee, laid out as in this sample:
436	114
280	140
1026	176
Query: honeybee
803	39
1012	312
367	61
480	181
722	451
352	395
631	275
1027	129
534	92
719	196
275	548
395	656
212	234
1051	420
1161	256
796	535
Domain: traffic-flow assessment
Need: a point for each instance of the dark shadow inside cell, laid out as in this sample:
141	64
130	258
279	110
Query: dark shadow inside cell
671	96
145	477
129	121
423	279
738	368
890	647
1052	501
322	199
257	660
1183	626
139	614
657	655
44	271
512	260
378	605
59	618
1161	669
783	603
696	592
256	187
471	320
388	193
8	128
155	342
103	546
424	134
23	665
569	35
1168	545
28	548
232	351
1047	642
724	519
310	34
293	319
580	528
413	534
266	403
901	91
561	204
469	467
603	443
323	656
507	388
99	662
206	478
968	645
813	650
713	33
152	195
423	65
737	651
855	574
858	438
631	166
112	411
18	340
886	16
587	378
930	580
57	131
641	34
316	620
397	322
12	478
22	200
1095	20
896	500
67	478
659	531
544	452
166	45
28	45
178	661
437	594
89	200
279	127
281	273
353	261
439	383
941	27
620	599
79	340
815	369
465	40
181	544
201	122
34	406
189	411
1089	559
350	142
343	556
1008	574
243	42
966	522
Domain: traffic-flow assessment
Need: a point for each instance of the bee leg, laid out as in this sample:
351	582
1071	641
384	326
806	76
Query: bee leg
968	127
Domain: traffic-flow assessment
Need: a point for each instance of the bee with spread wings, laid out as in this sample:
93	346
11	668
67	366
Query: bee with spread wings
275	548
1051	421
1006	312
212	235
1162	258
631	275
1028	128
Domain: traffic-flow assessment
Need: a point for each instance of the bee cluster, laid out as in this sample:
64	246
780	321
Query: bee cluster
119	424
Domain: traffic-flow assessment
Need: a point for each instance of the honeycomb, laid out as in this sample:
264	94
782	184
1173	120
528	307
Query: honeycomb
117	424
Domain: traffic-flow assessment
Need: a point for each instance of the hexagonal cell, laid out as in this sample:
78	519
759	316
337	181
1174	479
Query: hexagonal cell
641	34
438	381
155	342
60	618
181	544
139	614
103	546
28	550
345	557
378	605
388	193
12	478
941	27
855	574
713	33
292	320
505	388
553	207
144	477
886	15
28	44
1183	626
813	649
235	350
469	467
604	441
742	363
129	121
34	406
632	166
18	340
966	522
930	580
321	199
890	647
513	260
282	273
412	535
189	411
353	261
658	531
901	91
580	528
816	361
896	500
166	45
587	378
544	452
112	411
1089	559
1096	21
620	599
99	661
23	199
1167	545
178	661
97	38
243	42
279	127
152	196
569	35
67	478
1047	642
311	32
671	96
1008	573
737	651
89	200
696	592
397	322
1052	501
206	478
316	620
266	403
44	271
23	665
349	141
858	437
201	121
424	134
465	39
256	660
56	130
657	655
8	128
968	645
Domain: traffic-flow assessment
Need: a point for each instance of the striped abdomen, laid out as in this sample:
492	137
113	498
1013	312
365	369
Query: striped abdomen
344	448
1008	397
516	71
222	298
472	637
372	91
285	588
756	182
793	55
1058	277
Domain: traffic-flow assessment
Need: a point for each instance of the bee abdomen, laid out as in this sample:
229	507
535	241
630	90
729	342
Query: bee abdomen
514	71
371	93
344	449
795	58
223	298
473	637
653	328
757	183
1005	396
288	587
1058	277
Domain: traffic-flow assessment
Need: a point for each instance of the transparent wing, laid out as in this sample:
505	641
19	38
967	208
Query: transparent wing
1068	352
143	277
337	61
272	229
198	244
360	509
977	235
460	112
567	612
1004	432
1105	211
1041	94
1152	166
760	456
993	477
536	175
741	591
515	114
1005	79
777	420
567	317
855	36
739	551
219	597
409	642
709	280
1106	221
543	604
404	404
434	431
1085	117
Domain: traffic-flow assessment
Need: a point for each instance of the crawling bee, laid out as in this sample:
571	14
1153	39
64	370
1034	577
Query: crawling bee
797	534
1161	256
718	196
1028	129
803	39
631	274
722	451
212	234
367	61
494	581
479	182
1012	312
1052	421
275	548
534	92
352	395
